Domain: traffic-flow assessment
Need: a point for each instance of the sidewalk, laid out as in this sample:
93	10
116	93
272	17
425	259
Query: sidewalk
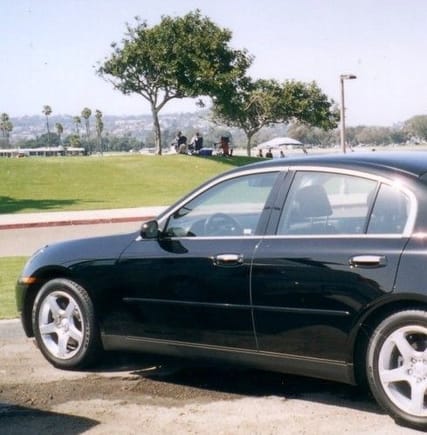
47	219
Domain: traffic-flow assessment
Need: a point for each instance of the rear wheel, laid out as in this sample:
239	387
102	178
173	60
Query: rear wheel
397	366
64	325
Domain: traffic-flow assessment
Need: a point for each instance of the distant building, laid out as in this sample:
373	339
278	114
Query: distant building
42	152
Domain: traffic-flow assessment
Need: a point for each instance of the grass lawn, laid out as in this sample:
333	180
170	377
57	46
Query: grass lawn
10	268
84	183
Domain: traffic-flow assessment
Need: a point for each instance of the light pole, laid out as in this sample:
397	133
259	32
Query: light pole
342	114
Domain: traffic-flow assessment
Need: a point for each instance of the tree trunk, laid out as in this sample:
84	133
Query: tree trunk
157	131
249	143
48	131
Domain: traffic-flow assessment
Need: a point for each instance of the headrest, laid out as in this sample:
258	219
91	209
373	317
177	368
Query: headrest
313	202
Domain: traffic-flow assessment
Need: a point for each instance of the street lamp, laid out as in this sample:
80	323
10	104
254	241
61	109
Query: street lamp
342	115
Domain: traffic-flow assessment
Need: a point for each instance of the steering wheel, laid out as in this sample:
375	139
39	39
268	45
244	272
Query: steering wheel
221	224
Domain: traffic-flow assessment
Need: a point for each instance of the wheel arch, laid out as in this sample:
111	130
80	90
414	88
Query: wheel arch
371	319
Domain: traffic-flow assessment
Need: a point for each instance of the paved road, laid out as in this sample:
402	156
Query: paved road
23	242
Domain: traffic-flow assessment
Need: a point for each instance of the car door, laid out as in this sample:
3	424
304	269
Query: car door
191	284
336	247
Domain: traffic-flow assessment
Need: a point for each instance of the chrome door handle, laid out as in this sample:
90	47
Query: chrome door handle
368	261
228	260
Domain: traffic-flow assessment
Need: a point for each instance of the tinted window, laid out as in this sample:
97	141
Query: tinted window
327	203
390	212
230	208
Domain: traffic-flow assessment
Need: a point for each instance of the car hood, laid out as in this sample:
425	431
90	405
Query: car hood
80	250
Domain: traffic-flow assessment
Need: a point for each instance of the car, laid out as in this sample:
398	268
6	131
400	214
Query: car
314	266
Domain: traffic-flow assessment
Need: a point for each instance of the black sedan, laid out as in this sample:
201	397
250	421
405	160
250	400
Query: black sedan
314	266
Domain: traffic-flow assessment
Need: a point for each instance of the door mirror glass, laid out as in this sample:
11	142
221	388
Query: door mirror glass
150	230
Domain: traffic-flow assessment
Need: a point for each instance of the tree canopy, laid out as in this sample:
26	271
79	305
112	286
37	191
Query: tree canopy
417	127
257	104
180	57
6	127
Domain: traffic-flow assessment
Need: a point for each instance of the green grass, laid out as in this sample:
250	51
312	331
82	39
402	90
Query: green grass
10	268
83	183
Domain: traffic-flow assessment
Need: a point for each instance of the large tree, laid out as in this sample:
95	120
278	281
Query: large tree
6	127
180	57
261	103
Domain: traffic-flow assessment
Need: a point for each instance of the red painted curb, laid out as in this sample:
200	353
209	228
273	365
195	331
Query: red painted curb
74	222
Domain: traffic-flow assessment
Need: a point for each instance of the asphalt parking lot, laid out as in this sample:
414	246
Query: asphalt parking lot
130	394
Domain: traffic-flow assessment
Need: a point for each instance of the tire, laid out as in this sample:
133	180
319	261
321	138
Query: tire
397	367
64	325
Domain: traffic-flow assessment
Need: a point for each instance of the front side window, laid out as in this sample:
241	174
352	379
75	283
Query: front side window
327	203
230	208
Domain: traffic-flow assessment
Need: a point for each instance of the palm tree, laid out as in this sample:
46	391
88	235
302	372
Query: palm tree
47	110
59	129
86	112
6	127
77	123
99	124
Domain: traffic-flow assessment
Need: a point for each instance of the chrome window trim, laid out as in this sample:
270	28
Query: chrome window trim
413	203
410	223
163	219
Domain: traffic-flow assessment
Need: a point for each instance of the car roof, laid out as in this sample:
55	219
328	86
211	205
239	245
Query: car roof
412	163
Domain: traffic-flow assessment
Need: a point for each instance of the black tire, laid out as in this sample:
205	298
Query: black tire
64	325
397	367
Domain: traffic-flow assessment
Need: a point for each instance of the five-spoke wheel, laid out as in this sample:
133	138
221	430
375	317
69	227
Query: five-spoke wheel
64	324
397	366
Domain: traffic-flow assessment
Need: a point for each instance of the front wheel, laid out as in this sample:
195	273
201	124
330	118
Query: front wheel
397	366
64	325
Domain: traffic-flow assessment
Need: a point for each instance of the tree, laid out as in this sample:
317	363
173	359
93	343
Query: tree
311	135
59	130
86	113
99	125
47	111
6	127
77	123
417	127
73	140
181	57
257	104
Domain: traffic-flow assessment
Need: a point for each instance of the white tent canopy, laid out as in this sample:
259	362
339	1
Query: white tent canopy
277	142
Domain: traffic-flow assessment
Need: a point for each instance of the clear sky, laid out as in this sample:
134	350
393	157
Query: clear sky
49	50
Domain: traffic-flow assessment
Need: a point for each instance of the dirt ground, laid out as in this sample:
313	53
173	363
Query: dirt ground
136	394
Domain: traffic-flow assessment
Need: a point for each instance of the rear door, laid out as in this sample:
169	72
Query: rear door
336	247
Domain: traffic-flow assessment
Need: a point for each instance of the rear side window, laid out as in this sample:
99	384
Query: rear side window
390	211
327	203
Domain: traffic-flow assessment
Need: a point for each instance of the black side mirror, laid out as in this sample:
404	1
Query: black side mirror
149	230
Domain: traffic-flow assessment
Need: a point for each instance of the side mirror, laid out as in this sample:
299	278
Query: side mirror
149	230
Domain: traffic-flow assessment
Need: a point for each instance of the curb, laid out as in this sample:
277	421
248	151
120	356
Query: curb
66	222
82	217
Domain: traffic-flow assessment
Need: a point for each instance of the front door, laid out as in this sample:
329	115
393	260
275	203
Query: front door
192	284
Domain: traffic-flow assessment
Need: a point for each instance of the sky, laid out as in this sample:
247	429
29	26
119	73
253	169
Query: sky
49	50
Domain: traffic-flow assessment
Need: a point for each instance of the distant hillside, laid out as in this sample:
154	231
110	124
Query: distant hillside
138	126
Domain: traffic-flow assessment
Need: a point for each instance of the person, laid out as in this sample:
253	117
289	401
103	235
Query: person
180	143
282	154
269	154
196	143
260	153
225	145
